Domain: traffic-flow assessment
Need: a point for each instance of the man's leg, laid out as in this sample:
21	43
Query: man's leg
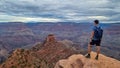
98	51
89	48
89	51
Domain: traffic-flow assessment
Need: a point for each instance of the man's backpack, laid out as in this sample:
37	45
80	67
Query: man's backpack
98	33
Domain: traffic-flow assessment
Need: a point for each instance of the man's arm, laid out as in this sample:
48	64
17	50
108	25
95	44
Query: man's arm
92	34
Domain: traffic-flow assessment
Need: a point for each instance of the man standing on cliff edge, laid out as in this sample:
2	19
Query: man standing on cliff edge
95	39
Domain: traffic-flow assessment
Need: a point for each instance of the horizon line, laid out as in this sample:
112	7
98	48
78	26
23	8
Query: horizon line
85	22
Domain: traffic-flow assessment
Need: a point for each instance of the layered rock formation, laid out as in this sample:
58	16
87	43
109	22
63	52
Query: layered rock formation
43	55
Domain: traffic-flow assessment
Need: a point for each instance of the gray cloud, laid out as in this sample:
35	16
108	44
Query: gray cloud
66	10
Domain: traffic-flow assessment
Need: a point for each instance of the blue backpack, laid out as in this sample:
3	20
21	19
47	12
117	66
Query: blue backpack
98	33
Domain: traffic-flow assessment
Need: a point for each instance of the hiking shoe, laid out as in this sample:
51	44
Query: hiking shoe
96	57
87	56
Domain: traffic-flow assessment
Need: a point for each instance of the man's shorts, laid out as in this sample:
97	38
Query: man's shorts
95	42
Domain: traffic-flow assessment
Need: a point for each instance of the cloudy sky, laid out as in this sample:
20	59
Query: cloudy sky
59	10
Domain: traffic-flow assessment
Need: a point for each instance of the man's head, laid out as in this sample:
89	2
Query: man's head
96	22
